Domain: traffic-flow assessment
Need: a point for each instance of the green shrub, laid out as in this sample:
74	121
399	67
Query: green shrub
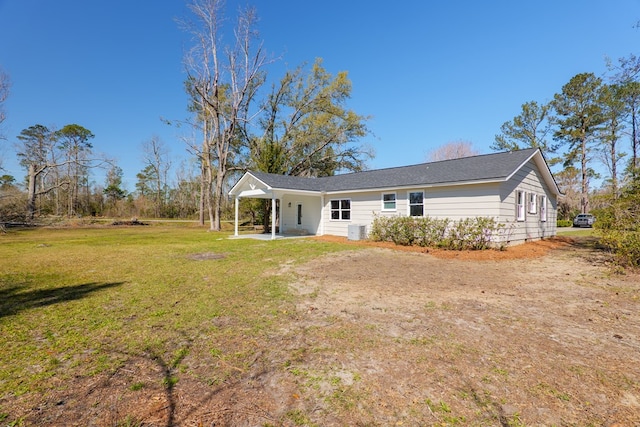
470	233
625	246
403	231
564	223
380	228
619	225
430	231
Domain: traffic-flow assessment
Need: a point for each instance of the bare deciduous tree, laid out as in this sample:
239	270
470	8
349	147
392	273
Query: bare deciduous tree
223	81
58	164
452	150
568	181
157	164
614	113
35	150
4	94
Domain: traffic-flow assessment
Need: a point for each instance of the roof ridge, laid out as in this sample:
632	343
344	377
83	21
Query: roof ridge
480	155
434	162
401	167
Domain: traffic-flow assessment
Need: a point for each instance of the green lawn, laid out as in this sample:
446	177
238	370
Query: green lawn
76	302
577	232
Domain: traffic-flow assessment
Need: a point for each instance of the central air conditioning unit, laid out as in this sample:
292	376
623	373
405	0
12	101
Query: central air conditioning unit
356	232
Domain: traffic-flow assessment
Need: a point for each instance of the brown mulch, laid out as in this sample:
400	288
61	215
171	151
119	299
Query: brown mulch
526	250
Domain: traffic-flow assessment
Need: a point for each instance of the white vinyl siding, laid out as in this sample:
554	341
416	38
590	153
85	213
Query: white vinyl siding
527	180
311	210
459	202
455	202
363	207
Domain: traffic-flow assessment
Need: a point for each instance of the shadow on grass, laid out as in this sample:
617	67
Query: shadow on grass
13	301
169	380
582	242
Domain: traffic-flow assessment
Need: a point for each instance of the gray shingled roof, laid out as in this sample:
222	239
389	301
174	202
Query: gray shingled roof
487	167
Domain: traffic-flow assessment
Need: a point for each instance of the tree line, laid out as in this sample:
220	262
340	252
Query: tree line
300	125
591	121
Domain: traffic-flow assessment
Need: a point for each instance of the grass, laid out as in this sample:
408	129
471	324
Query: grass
77	302
578	232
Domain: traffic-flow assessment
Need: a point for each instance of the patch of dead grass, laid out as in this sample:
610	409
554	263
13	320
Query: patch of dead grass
204	256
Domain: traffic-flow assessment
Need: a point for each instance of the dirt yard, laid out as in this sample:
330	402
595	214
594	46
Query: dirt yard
545	334
541	334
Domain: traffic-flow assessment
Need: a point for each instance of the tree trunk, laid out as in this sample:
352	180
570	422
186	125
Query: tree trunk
203	194
31	193
634	145
267	216
217	200
614	167
210	202
205	170
584	184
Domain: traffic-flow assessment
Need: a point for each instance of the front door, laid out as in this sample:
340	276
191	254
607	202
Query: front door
299	215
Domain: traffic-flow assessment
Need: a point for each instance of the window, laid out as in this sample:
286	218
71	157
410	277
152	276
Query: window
533	198
520	205
341	209
416	203
389	202
543	208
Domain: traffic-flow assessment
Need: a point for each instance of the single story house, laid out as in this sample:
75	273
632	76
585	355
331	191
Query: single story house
516	188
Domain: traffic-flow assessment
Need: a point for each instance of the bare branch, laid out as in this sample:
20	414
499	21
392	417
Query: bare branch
223	81
5	84
453	150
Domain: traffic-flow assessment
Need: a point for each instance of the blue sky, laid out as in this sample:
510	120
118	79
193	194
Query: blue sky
427	72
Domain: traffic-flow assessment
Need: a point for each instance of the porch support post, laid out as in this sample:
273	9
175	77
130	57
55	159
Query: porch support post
273	218
235	223
321	233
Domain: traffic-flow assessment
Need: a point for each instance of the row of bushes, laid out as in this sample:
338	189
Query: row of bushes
624	245
619	225
465	234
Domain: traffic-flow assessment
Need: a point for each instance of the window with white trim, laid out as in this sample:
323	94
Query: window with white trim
389	201
416	203
533	205
520	205
341	209
543	208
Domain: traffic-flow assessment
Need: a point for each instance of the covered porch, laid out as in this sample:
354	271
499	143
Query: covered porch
294	213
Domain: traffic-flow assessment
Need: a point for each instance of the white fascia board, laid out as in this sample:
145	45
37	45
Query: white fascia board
259	193
277	192
287	191
235	190
548	176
